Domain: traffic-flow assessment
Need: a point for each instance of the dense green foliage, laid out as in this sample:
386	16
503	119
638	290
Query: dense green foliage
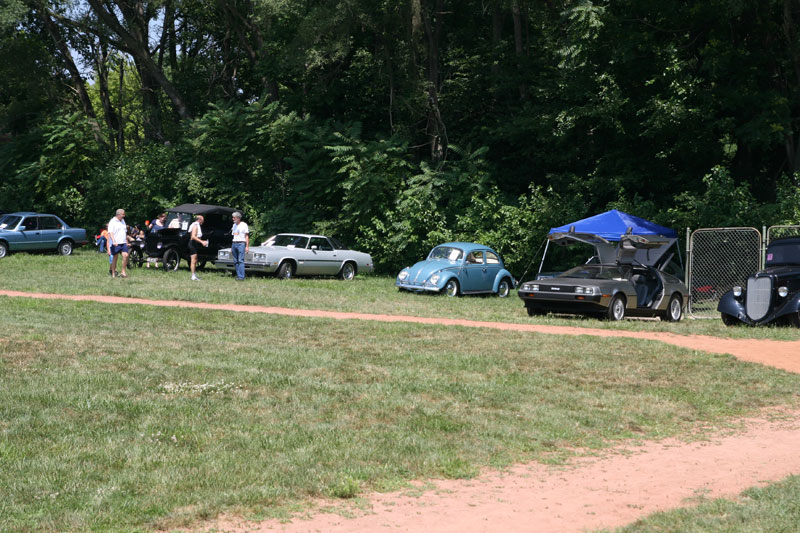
397	125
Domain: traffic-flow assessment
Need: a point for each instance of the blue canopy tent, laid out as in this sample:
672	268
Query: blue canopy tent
605	230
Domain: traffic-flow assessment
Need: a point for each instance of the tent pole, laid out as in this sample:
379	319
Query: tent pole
546	246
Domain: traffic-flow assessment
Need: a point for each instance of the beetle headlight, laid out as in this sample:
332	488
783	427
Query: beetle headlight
783	291
403	275
737	291
434	279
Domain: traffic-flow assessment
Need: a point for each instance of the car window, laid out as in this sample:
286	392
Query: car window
9	221
321	243
492	259
31	223
475	258
446	252
178	220
290	241
49	223
337	244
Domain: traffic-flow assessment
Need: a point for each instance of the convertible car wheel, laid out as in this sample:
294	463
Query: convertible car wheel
451	289
65	247
348	272
504	288
285	271
616	311
674	309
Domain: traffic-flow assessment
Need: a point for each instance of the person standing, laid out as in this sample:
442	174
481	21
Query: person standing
195	240
118	242
241	244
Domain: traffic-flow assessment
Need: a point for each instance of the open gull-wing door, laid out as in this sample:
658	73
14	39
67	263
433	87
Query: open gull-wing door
645	250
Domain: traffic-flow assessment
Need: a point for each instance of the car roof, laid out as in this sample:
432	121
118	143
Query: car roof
201	209
26	213
466	246
786	240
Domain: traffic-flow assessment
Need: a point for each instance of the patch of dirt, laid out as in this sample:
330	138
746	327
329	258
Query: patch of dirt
612	490
779	354
625	484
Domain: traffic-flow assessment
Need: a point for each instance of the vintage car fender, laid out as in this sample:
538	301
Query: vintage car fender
445	276
500	275
792	305
729	305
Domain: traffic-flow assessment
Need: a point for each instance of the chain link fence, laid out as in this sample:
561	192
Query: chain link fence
779	232
718	259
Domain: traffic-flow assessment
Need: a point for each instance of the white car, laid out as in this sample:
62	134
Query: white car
298	254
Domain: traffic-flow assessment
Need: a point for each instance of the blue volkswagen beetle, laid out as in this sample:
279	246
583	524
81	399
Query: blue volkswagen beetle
458	268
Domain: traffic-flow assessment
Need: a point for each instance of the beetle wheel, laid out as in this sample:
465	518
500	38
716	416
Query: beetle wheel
504	288
451	288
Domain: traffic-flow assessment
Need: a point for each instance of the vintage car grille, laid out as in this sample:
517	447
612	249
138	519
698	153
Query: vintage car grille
759	292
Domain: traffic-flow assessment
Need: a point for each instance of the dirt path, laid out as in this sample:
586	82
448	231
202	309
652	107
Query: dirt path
780	354
627	483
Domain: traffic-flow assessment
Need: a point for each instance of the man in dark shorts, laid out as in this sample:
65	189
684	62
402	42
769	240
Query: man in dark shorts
118	242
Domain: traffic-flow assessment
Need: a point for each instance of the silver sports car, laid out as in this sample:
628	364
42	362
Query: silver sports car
627	287
297	254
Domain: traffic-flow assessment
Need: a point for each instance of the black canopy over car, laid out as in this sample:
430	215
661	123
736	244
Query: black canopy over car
171	244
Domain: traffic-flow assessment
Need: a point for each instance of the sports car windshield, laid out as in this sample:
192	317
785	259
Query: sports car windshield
783	254
595	272
446	252
9	221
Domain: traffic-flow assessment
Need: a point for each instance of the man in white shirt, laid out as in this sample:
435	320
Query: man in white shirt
241	244
118	242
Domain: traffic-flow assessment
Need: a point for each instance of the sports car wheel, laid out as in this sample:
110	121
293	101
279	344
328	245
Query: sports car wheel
171	260
616	311
451	289
65	247
730	320
503	288
3	250
348	272
674	309
285	271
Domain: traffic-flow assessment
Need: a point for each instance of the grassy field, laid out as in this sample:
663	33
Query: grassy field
759	510
86	273
131	417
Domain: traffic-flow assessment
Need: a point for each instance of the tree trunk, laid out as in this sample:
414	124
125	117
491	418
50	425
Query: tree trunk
101	63
436	130
75	75
518	48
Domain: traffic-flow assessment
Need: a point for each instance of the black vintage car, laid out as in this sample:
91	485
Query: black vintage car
171	244
771	295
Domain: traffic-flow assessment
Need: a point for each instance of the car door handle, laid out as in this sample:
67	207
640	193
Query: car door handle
483	269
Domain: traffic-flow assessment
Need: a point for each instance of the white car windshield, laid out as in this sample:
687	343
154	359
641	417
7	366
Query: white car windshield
446	252
290	241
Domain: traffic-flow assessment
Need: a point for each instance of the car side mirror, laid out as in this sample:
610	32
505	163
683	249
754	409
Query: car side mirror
21	228
313	246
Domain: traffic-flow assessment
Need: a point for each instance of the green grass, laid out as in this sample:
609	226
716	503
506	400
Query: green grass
86	273
132	417
775	508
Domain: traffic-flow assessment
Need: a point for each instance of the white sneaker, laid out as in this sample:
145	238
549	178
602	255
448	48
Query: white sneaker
195	278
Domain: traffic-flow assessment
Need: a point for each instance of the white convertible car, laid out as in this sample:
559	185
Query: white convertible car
297	254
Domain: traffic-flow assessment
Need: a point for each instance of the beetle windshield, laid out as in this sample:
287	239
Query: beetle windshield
786	253
290	241
595	272
9	221
446	252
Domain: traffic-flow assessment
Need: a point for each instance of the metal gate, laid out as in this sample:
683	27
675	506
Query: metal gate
718	259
